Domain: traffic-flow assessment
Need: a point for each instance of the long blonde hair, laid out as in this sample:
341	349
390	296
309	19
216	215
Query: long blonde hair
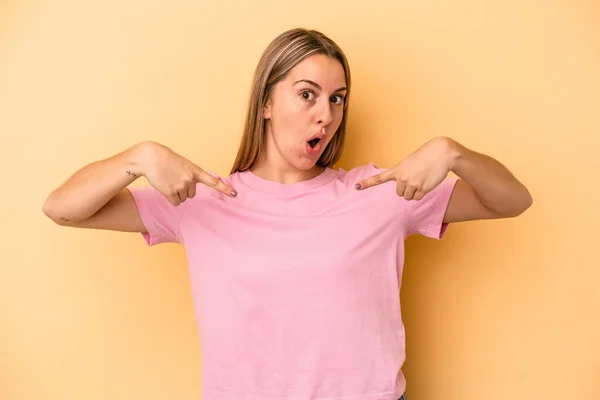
281	55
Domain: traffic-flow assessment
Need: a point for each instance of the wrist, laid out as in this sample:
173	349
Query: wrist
453	151
140	156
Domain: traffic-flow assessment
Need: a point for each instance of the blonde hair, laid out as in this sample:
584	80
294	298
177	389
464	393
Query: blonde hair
281	55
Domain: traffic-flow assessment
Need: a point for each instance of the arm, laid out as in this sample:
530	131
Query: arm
96	196
486	190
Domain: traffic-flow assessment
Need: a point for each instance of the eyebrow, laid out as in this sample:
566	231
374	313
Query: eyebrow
318	86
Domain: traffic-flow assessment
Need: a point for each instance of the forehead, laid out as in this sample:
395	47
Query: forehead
319	68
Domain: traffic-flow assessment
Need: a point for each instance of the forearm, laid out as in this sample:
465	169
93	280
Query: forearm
494	185
91	187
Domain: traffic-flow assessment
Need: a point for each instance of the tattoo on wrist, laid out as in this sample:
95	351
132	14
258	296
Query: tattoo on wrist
63	219
132	173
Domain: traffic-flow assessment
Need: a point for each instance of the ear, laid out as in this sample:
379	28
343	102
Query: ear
267	110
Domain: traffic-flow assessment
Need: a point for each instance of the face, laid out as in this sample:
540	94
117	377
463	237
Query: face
304	112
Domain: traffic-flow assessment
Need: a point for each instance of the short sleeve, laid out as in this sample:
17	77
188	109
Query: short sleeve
160	217
426	216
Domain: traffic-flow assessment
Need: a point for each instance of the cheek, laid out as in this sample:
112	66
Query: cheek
338	116
282	111
289	120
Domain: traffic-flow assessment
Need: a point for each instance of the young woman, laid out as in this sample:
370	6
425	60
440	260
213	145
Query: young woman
295	266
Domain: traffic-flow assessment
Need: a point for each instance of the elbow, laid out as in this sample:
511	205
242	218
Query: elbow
50	211
46	207
513	205
522	204
526	201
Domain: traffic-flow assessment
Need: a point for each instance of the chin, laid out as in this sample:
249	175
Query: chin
305	164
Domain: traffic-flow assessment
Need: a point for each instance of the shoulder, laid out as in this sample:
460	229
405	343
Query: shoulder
353	175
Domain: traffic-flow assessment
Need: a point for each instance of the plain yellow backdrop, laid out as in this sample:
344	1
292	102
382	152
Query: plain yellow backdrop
498	309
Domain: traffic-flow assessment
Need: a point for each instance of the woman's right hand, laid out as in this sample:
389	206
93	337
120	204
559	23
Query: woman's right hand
175	176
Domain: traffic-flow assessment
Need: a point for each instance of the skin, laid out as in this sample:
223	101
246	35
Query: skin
297	110
308	102
486	190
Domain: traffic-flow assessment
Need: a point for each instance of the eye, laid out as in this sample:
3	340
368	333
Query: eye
337	99
308	95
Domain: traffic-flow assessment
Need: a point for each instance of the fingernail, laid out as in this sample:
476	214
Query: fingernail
357	186
233	193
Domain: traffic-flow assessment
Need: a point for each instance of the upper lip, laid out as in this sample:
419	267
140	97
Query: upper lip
319	135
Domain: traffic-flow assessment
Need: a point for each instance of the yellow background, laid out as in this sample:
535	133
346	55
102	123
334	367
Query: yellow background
498	309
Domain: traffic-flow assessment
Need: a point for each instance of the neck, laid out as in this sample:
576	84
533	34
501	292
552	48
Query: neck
272	166
273	171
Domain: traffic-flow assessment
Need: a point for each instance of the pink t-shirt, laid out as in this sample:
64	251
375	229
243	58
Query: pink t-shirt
296	288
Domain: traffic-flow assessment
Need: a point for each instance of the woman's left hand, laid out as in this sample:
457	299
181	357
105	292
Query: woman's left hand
421	171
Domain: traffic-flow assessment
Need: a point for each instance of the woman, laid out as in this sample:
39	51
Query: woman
295	266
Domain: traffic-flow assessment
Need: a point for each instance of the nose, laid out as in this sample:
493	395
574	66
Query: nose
325	114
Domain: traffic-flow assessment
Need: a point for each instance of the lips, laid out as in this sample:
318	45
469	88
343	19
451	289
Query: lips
315	139
315	143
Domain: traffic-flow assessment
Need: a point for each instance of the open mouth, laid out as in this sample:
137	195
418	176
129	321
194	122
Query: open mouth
312	143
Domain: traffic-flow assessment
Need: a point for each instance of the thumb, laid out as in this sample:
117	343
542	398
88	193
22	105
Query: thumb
375	180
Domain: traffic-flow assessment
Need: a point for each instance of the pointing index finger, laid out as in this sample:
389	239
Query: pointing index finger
375	180
215	182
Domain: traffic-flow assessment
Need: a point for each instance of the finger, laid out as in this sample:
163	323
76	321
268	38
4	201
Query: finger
409	192
375	180
400	189
182	194
216	183
173	197
419	194
191	190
